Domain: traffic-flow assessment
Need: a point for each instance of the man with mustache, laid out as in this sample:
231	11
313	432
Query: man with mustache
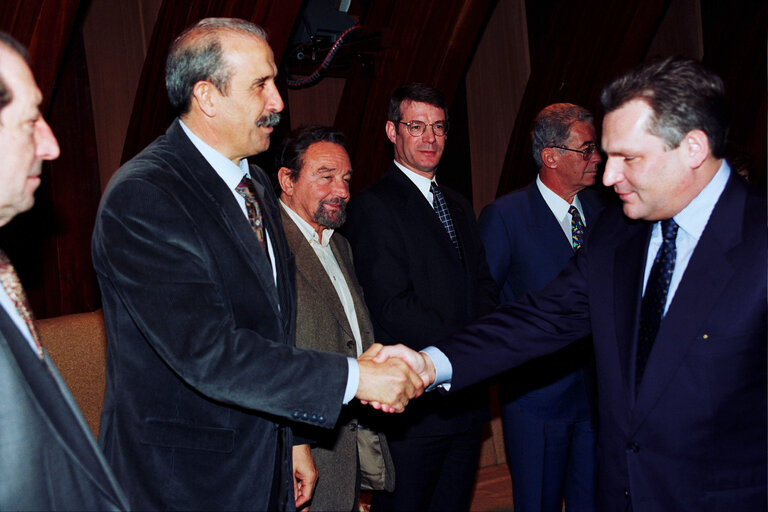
422	266
204	383
314	174
529	236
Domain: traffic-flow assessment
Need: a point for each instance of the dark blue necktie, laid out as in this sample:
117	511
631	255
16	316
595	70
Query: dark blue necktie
577	228
655	297
441	208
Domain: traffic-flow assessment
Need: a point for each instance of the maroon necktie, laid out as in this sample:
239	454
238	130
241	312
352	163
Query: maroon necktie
246	189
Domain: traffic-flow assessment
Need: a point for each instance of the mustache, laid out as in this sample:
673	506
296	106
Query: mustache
268	121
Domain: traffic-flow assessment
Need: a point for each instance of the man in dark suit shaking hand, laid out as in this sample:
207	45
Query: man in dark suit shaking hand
197	279
673	290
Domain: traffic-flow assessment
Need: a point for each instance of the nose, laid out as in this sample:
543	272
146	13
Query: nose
46	146
612	174
275	102
596	157
341	188
429	133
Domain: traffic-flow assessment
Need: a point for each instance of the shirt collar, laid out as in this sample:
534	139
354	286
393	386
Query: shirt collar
421	182
308	231
226	169
557	204
694	217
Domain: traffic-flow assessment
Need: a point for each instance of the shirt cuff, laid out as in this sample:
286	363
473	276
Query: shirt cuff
353	380
443	368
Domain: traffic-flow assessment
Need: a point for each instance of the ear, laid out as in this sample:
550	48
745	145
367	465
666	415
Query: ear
550	157
204	95
286	183
695	146
391	130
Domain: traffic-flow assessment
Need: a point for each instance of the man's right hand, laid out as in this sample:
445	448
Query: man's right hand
389	384
418	361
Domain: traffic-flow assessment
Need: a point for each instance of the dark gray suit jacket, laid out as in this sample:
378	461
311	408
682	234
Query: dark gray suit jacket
48	457
202	373
322	324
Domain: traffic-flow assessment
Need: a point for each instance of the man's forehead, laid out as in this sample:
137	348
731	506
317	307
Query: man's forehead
419	107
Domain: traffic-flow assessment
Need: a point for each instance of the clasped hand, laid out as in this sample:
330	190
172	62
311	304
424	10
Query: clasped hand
390	376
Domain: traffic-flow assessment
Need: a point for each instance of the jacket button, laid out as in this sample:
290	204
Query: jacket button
314	417
295	414
321	419
626	493
633	447
350	344
305	416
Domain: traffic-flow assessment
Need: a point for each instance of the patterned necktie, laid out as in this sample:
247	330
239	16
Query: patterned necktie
441	208
246	189
655	298
577	228
10	281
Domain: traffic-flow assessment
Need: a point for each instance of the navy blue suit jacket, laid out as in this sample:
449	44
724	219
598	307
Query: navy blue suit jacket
526	248
694	435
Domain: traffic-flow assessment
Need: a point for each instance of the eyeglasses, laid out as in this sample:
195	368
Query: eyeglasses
586	153
416	128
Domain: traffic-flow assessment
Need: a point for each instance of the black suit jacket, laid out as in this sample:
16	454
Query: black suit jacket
417	288
48	457
693	436
202	373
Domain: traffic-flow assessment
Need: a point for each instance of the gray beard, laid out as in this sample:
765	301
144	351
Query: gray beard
329	220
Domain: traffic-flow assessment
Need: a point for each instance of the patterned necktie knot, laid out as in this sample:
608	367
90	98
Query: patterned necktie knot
577	228
246	189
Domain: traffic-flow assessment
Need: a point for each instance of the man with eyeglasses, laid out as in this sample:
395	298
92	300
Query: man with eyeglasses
529	236
421	264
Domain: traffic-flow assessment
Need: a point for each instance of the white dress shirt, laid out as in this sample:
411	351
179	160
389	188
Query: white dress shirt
325	254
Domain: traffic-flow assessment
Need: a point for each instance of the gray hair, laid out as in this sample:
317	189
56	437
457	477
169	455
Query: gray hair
6	95
683	95
552	126
197	55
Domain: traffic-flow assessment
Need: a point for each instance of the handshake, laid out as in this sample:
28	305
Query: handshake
392	375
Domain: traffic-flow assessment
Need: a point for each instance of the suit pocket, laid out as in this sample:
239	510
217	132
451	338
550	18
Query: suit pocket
173	434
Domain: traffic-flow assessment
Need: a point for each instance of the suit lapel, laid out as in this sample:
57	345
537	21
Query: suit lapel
343	257
629	262
707	274
418	207
546	226
56	407
309	266
205	183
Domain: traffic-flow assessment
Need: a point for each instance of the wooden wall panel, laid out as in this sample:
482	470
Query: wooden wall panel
115	35
496	82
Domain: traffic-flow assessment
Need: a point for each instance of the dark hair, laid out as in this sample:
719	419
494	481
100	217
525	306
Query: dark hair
683	95
6	95
414	92
197	55
552	126
298	141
